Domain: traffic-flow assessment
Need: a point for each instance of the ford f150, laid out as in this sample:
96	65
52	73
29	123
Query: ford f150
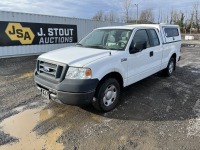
106	60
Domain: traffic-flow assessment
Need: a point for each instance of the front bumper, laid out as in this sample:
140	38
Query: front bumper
70	98
69	91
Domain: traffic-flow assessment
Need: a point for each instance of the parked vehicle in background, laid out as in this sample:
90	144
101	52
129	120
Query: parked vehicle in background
108	59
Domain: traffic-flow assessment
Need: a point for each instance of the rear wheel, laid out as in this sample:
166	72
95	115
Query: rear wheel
170	67
107	95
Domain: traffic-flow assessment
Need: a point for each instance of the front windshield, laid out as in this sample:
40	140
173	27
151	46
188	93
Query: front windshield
111	39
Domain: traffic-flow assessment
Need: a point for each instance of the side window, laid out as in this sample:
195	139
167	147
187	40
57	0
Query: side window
171	32
175	32
154	38
141	36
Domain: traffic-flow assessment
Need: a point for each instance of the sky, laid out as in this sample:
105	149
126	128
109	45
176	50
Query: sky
87	8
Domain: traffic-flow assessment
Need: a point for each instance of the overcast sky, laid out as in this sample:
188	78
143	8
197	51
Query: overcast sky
87	8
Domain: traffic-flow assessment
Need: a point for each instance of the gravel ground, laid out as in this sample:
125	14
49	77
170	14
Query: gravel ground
155	113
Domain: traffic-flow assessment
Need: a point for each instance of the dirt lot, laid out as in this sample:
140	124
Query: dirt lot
155	113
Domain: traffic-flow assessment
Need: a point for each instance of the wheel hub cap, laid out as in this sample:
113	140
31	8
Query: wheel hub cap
171	67
110	95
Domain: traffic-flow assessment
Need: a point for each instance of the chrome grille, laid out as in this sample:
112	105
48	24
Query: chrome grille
49	69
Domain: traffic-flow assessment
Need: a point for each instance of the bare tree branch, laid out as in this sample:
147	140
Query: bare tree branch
98	16
127	5
147	16
196	15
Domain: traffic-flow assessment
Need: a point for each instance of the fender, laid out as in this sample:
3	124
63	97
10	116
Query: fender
169	55
101	72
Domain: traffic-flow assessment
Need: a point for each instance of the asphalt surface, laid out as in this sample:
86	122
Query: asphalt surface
155	113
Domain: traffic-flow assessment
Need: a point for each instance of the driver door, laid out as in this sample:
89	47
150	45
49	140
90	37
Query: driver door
139	66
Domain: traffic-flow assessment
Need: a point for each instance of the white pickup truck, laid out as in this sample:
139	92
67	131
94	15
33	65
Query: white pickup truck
106	60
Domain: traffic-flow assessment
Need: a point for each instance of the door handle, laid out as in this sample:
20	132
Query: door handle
123	59
151	53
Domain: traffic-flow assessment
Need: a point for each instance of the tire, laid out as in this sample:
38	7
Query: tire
170	67
107	95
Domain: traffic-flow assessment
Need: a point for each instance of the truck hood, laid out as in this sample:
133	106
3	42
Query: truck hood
75	56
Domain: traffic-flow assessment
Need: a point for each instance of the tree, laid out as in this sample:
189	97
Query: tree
196	15
175	16
166	17
99	16
111	16
191	22
126	6
147	16
160	19
180	22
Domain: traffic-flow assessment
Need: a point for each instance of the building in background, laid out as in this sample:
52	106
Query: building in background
31	34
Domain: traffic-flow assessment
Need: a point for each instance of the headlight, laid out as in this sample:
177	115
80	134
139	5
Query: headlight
79	73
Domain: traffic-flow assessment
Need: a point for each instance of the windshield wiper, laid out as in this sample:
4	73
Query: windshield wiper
79	44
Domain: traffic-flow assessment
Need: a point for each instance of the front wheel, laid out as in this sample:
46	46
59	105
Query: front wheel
170	67
107	95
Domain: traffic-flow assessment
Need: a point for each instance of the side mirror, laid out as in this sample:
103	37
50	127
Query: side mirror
138	47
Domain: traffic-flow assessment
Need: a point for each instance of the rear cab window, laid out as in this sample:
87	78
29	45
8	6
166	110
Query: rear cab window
172	34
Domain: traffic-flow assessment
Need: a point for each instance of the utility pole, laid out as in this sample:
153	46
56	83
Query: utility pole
137	13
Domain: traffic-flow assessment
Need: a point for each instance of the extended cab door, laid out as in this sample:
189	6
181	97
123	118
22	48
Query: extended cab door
147	61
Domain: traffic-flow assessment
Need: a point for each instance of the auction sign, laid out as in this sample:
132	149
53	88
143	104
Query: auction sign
24	33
